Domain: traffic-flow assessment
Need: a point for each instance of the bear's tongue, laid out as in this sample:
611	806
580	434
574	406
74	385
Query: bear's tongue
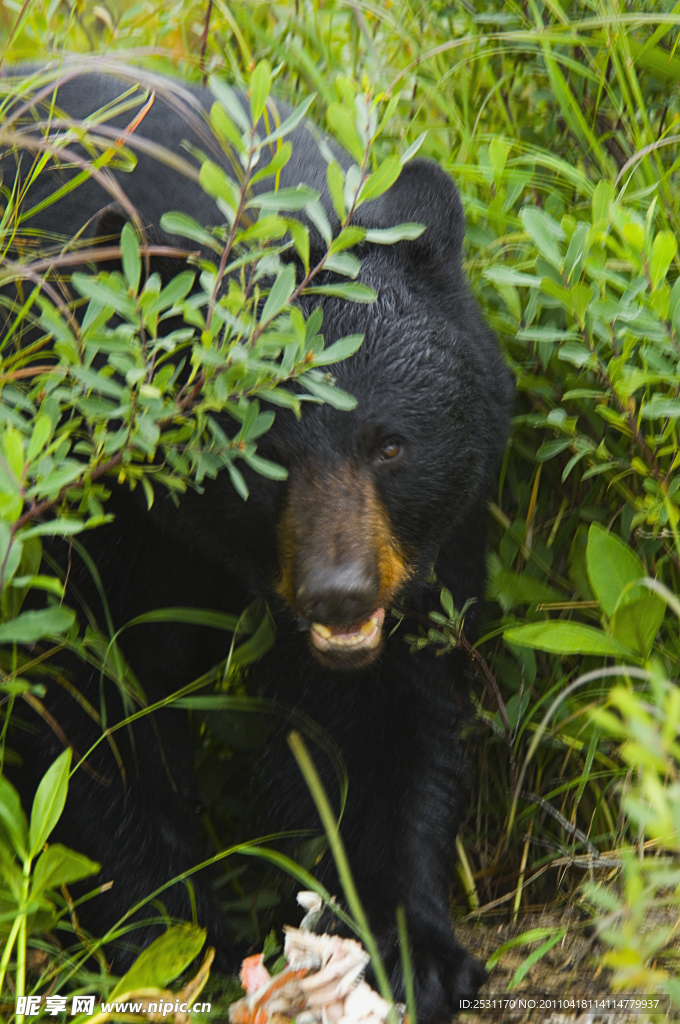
363	635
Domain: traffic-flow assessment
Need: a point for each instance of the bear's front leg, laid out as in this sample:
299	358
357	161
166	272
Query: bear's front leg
395	723
401	835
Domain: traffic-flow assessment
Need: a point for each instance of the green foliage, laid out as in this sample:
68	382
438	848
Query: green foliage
30	879
560	124
550	937
647	728
631	615
162	961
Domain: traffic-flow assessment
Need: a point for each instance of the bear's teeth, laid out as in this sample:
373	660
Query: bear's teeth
366	634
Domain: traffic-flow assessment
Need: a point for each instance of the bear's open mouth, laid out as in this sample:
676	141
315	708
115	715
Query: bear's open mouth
364	636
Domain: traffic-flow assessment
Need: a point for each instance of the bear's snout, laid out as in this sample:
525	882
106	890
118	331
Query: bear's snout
341	563
339	594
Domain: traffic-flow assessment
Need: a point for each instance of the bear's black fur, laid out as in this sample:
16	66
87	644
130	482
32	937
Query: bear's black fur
375	498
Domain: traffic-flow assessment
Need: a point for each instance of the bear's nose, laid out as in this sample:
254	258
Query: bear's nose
338	595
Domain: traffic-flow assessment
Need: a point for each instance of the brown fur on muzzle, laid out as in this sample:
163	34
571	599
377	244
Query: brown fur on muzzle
339	558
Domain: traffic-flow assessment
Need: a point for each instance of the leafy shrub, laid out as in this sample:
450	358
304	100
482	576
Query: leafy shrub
97	386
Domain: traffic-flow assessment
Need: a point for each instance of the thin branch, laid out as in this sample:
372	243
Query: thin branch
39	508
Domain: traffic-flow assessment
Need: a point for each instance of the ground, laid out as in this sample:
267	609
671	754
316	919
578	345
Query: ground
567	971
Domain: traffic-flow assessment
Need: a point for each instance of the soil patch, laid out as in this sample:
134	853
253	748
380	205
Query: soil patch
564	987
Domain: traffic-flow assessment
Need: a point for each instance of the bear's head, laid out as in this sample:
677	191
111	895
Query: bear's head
371	494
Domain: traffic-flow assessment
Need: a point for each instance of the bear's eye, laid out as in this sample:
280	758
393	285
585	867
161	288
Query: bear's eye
390	451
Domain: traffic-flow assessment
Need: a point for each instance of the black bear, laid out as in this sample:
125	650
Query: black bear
382	506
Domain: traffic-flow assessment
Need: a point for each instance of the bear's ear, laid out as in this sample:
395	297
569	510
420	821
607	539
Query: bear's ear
109	223
424	194
105	231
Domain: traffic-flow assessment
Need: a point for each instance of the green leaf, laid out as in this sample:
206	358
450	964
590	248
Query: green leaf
381	180
300	235
578	354
634	234
68	473
12	817
193	616
343	263
57	865
506	275
276	164
285	199
576	251
38	582
218	184
225	127
162	961
266	468
636	623
238	483
674	304
566	638
350	236
552	448
97	381
582	393
663	250
291	122
317	215
603	197
175	290
409	153
260	84
520	940
556	291
339	350
400	232
186	227
280	293
329	393
514	710
661	408
42	432
446	601
49	801
132	263
511	588
30	627
229	99
336	189
612	566
61	527
352	290
534	957
498	154
342	125
581	295
545	334
265	229
54	323
10	549
106	293
283	398
13	443
545	234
